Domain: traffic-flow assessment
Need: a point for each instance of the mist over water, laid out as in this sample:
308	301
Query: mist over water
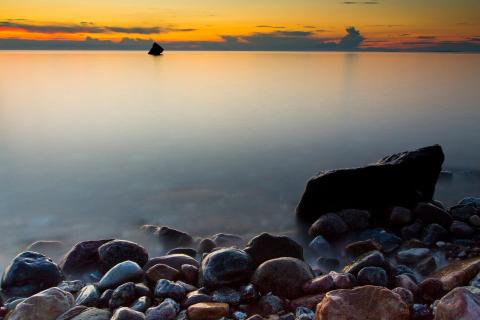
95	144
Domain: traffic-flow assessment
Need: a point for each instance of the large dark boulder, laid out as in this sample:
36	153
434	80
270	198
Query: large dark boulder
29	273
402	179
156	49
82	256
266	247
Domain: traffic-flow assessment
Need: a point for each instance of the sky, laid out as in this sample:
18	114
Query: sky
411	25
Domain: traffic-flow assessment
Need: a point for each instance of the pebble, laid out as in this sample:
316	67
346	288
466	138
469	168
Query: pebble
123	296
117	251
373	275
330	225
168	289
127	314
121	273
267	246
88	296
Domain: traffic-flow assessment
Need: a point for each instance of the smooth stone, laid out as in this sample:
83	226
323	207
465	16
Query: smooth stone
141	304
405	294
302	313
460	303
88	296
358	248
343	280
172	260
11	304
426	266
50	248
412	256
196	297
46	305
117	251
226	295
406	282
355	219
430	213
72	312
431	289
400	216
173	238
412	231
82	256
188	251
309	301
328	264
387	240
208	311
123	296
474	220
226	267
168	289
401	179
370	259
142	290
104	300
167	310
270	304
72	286
162	271
121	273
29	273
189	273
223	240
267	247
319	284
373	275
127	314
283	277
238	315
458	273
361	303
420	312
320	245
463	213
461	229
330	226
248	293
434	233
94	314
206	246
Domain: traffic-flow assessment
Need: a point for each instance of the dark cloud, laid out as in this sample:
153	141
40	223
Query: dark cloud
352	40
83	27
87	44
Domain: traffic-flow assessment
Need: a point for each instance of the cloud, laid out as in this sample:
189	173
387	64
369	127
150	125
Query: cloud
427	37
360	2
84	27
270	27
352	40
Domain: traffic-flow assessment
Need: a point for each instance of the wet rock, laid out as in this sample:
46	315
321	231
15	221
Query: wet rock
370	259
320	245
94	314
405	294
82	256
358	248
122	296
88	296
343	280
188	251
330	226
29	273
172	260
429	214
361	303
156	50
309	301
302	313
167	310
173	238
46	305
168	289
248	293
142	290
224	240
373	275
127	314
206	246
72	286
412	231
226	295
208	311
405	281
328	264
104	300
196	297
463	213
319	284
141	304
162	271
431	289
12	303
226	267
72	312
238	315
458	273
355	219
426	266
461	230
387	240
266	247
400	216
420	312
412	256
189	273
282	276
433	233
270	304
402	179
116	251
460	303
121	273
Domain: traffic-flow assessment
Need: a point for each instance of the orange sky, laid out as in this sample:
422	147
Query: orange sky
384	23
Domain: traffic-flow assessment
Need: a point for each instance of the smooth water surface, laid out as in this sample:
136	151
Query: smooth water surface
94	144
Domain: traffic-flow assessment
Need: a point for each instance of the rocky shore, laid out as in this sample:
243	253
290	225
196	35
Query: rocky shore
373	244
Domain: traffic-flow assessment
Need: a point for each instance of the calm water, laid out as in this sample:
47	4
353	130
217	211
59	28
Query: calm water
95	144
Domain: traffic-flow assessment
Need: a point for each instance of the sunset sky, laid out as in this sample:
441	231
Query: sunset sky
247	24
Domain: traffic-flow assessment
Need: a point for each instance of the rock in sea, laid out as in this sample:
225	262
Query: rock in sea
156	50
402	179
29	273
